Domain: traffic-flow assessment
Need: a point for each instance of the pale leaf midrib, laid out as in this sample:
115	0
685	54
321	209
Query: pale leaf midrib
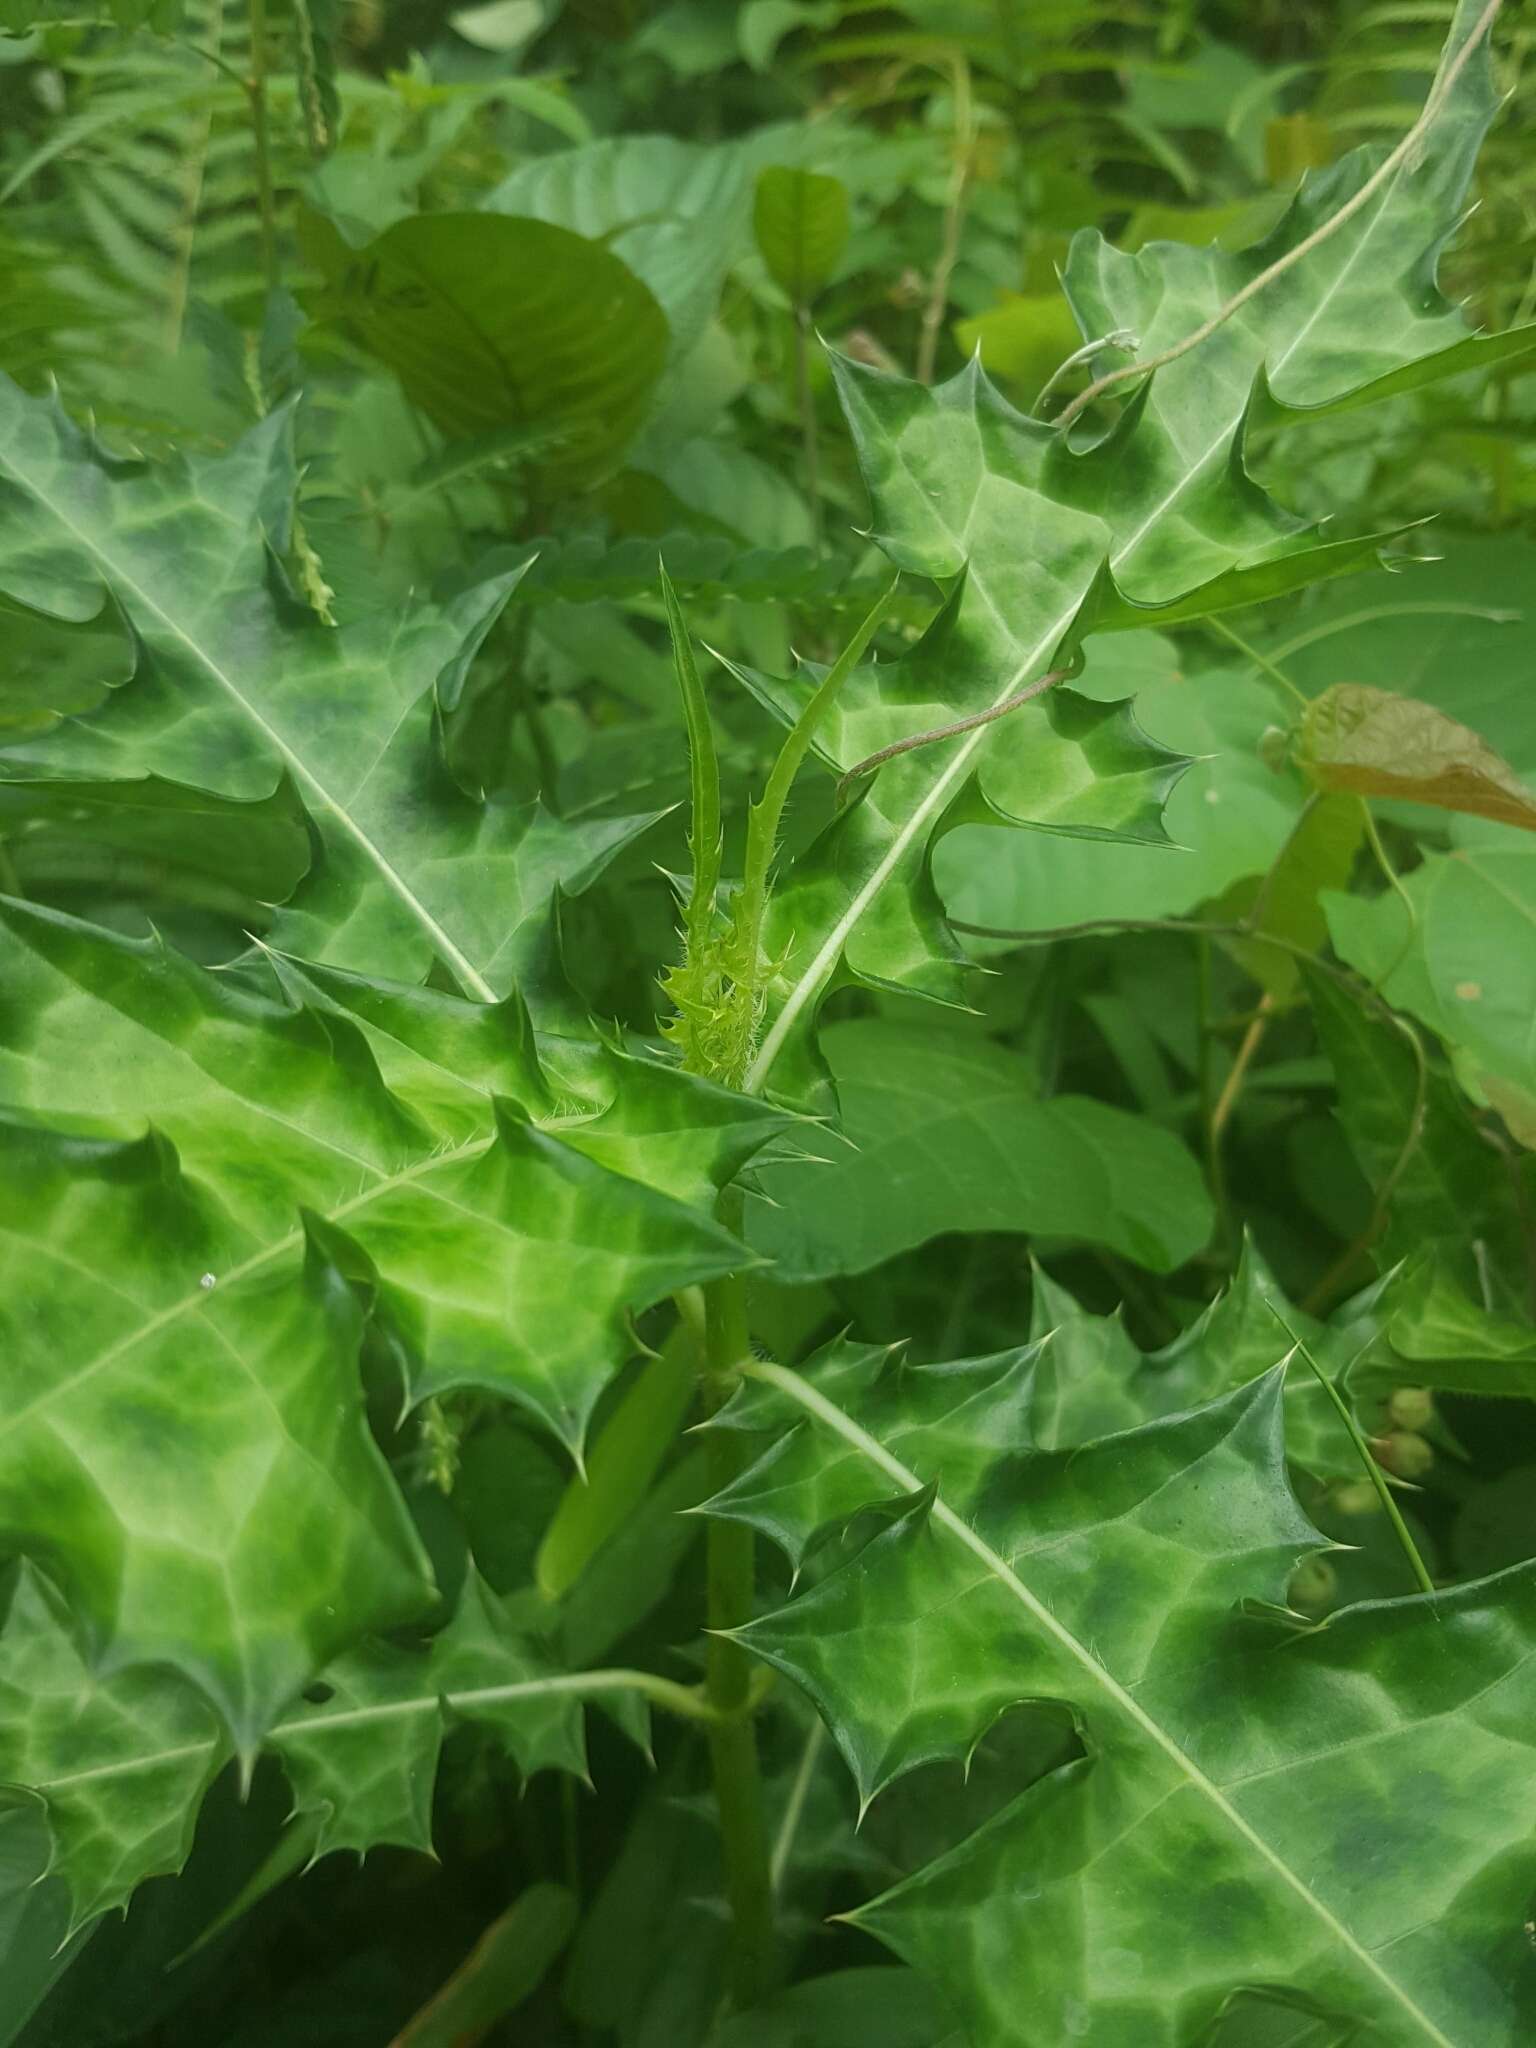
393	880
826	958
553	1685
997	1567
200	1297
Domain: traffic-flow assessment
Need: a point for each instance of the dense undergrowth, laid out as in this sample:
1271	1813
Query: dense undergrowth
766	1062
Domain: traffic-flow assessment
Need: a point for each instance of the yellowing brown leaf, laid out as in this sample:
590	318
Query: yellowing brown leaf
1376	743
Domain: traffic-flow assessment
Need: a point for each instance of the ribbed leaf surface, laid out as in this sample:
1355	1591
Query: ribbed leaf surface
120	1761
1051	535
183	1436
238	689
1339	1818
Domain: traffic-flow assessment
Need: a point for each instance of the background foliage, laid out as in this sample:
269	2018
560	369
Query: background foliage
371	1148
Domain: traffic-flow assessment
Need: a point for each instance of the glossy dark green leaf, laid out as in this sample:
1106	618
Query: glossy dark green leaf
494	322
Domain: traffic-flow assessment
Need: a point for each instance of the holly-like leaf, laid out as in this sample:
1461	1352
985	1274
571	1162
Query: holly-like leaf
1220	1760
1372	742
1050	535
118	1761
237	691
183	1371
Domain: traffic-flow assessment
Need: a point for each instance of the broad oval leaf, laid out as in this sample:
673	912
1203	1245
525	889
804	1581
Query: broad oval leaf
491	321
800	219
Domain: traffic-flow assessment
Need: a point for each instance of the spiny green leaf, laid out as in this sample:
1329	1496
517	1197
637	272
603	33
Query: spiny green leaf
1155	520
119	1759
234	693
185	1381
1110	1579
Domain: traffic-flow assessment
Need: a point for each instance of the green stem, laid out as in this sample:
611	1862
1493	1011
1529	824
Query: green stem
704	829
765	818
808	435
1377	1477
730	1569
1260	661
256	91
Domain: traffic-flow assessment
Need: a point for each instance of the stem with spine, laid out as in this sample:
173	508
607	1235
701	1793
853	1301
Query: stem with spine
730	1554
765	818
731	1576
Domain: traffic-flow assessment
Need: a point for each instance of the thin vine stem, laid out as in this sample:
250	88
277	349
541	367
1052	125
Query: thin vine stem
1438	94
1260	661
1395	883
936	733
1377	1477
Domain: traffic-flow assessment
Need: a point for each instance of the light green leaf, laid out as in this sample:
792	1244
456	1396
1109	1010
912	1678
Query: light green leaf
1450	632
1466	966
1227	818
1057	535
1110	1579
235	694
944	1133
185	1375
800	220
